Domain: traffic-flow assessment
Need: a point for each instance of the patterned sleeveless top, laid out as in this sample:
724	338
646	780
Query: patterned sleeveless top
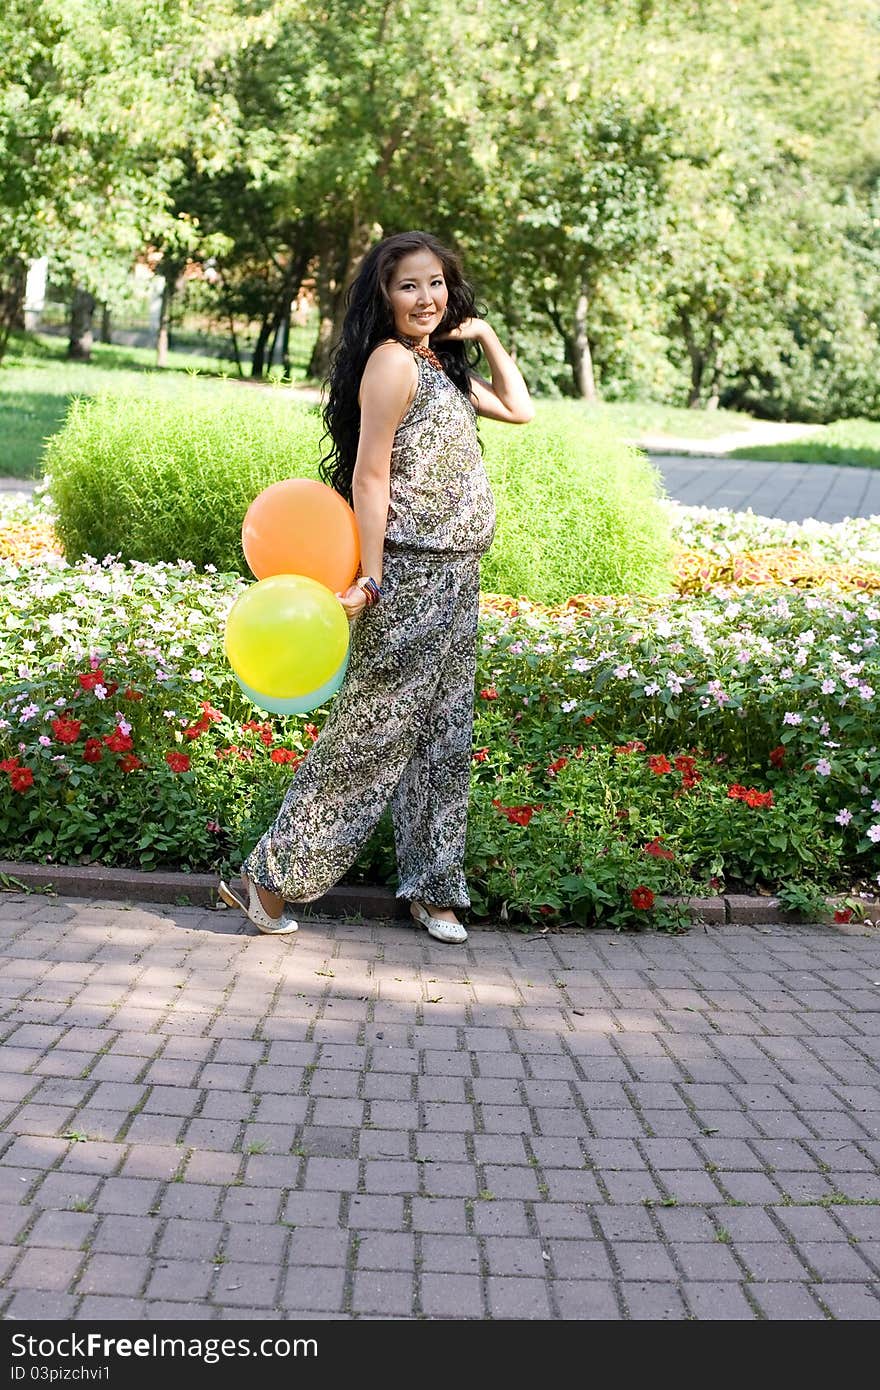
441	498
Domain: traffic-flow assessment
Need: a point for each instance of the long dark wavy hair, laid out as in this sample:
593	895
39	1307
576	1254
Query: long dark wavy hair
369	320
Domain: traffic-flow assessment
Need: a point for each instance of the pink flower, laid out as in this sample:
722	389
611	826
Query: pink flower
843	817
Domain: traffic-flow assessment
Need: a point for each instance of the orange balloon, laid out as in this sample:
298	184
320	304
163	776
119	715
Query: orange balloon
300	526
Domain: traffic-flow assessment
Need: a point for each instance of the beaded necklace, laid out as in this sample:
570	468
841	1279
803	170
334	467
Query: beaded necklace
425	352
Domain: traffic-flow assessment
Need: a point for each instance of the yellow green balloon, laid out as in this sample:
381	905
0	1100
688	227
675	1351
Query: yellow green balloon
286	636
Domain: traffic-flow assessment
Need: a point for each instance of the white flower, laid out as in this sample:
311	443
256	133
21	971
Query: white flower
874	833
791	718
843	817
568	705
828	687
866	692
652	689
823	767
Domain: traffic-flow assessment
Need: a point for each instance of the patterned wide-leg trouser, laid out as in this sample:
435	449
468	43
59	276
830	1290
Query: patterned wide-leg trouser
400	731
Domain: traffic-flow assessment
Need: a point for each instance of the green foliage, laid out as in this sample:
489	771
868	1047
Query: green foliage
631	748
855	443
578	510
169	472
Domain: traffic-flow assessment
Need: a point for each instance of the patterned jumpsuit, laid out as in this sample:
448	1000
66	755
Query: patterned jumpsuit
401	727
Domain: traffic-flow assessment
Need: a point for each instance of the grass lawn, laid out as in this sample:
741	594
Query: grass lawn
37	383
854	442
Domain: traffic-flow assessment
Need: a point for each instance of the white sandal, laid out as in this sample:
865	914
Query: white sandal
270	926
453	933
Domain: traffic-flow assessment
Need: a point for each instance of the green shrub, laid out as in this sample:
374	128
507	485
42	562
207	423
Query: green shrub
168	474
578	510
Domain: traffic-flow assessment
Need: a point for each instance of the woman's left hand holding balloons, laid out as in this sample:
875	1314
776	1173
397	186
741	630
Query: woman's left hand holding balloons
353	600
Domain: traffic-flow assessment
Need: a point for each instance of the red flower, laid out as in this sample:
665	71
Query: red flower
118	742
557	766
642	898
21	778
490	693
201	725
658	850
233	751
312	731
634	746
546	911
481	755
843	914
588	718
517	815
659	764
65	729
285	755
9	764
686	764
178	762
265	731
758	800
90	679
750	795
131	694
777	755
93	751
129	762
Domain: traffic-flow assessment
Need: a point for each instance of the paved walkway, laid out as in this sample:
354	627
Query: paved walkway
791	491
360	1122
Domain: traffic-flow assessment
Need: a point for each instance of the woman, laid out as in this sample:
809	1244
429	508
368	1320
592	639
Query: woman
405	453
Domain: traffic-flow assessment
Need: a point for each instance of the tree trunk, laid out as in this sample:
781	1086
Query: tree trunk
697	361
582	357
13	277
327	290
81	339
106	326
336	271
170	273
258	357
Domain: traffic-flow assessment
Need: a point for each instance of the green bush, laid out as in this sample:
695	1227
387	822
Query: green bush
168	474
578	510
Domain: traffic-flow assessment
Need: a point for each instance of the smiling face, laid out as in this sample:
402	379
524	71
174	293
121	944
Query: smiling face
418	294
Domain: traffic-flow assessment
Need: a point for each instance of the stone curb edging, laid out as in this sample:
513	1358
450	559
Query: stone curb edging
200	890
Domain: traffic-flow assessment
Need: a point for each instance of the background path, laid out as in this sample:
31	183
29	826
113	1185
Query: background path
791	491
358	1121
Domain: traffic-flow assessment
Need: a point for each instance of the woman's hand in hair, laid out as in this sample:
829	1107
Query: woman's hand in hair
471	330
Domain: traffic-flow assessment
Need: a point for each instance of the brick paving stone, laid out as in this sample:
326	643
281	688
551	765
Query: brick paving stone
63	1230
850	1301
376	1213
33	1305
311	1290
193	1240
834	1260
387	1250
441	1214
116	1274
511	1297
787	1302
384	1293
586	1300
718	1302
248	1284
654	1302
180	1279
451	1295
126	1235
316	1245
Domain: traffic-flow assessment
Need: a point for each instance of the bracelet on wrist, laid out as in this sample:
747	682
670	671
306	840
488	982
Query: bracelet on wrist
371	590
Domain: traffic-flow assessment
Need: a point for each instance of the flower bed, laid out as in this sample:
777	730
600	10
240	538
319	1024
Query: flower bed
622	749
